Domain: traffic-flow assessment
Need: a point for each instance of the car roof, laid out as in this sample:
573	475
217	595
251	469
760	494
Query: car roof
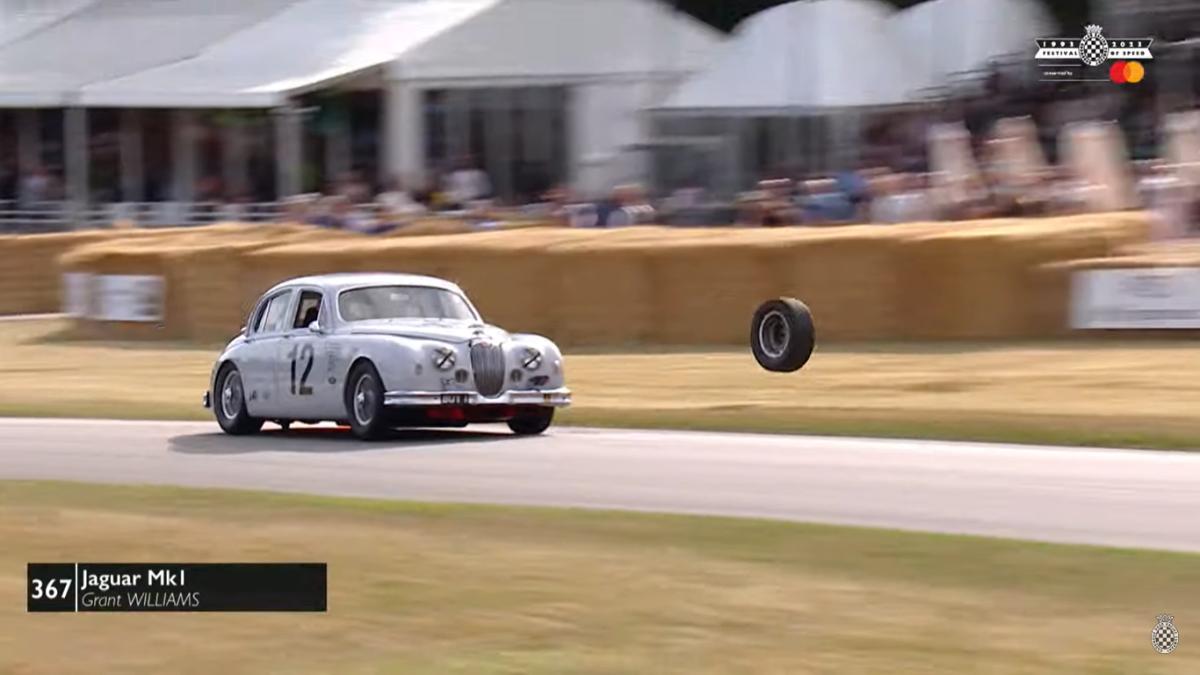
342	281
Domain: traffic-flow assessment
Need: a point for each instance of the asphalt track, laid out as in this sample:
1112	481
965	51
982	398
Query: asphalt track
1113	497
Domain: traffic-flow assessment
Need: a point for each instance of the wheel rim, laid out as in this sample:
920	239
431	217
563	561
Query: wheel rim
231	395
365	400
774	334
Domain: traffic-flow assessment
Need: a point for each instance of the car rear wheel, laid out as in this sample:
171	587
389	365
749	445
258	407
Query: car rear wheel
364	402
230	406
782	336
532	423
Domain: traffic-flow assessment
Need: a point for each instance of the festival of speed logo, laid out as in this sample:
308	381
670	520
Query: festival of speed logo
1094	49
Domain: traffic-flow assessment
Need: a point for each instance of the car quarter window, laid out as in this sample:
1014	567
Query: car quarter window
274	314
308	309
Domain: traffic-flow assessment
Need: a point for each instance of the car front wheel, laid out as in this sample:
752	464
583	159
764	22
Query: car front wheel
230	405
532	423
364	402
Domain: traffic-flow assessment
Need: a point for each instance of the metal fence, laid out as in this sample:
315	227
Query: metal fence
59	216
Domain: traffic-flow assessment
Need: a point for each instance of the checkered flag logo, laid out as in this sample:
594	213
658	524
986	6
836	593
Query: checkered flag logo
1093	48
1165	636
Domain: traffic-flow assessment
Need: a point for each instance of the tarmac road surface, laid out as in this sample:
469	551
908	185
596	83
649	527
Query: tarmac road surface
1115	497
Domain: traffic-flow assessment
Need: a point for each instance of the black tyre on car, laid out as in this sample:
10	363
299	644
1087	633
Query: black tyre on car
364	402
782	335
230	403
532	423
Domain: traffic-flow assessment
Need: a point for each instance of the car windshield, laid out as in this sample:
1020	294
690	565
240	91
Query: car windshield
403	302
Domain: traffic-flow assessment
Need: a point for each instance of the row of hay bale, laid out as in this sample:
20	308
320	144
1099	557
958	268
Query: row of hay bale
1167	306
30	282
203	269
651	285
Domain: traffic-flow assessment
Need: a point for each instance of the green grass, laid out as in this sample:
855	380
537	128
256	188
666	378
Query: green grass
422	588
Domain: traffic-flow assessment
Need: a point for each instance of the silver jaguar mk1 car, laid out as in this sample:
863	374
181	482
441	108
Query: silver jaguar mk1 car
377	351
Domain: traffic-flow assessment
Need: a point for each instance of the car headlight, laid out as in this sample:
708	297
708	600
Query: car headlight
443	358
531	358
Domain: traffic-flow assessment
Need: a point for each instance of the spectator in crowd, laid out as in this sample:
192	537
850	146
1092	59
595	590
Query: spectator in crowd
396	204
353	187
824	204
300	208
559	206
323	212
627	206
36	187
353	218
777	206
856	185
686	208
466	184
901	198
750	211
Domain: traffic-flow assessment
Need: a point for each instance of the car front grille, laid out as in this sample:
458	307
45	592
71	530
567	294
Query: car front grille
487	360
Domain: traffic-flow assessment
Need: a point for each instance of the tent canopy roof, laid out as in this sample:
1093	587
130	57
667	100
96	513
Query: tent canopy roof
807	55
255	53
946	37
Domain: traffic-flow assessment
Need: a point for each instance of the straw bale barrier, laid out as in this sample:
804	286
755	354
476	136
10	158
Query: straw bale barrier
981	282
204	272
1055	278
655	285
29	281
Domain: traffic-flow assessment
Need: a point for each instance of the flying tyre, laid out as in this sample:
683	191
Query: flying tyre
782	336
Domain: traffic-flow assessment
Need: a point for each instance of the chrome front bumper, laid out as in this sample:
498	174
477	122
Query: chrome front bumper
558	398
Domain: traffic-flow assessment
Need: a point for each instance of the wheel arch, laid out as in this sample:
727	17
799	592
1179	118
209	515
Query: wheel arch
355	363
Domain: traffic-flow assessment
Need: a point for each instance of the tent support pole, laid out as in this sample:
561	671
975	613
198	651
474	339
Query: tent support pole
183	155
338	151
234	160
75	147
289	152
403	124
29	145
132	176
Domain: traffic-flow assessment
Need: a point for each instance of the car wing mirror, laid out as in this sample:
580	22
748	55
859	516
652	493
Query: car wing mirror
315	327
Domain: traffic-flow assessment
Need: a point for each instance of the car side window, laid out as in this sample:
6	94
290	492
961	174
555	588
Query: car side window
274	315
308	309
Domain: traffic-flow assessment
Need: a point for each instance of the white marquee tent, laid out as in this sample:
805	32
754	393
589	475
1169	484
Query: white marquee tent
617	55
254	53
806	56
947	37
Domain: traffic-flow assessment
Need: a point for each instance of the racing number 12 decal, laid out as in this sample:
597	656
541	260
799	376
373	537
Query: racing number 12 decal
306	352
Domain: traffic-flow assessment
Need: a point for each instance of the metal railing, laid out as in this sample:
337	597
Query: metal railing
60	216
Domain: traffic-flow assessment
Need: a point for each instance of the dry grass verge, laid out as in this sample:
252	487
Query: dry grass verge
418	588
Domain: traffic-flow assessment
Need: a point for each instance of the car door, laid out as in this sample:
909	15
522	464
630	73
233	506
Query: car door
302	368
260	354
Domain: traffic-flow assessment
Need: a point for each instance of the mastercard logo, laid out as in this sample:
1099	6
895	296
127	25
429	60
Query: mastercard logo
1123	72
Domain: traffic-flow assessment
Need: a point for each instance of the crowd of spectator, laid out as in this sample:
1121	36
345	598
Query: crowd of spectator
866	195
876	191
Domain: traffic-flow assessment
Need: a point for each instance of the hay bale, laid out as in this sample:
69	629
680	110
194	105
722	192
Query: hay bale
603	287
204	270
848	278
980	282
